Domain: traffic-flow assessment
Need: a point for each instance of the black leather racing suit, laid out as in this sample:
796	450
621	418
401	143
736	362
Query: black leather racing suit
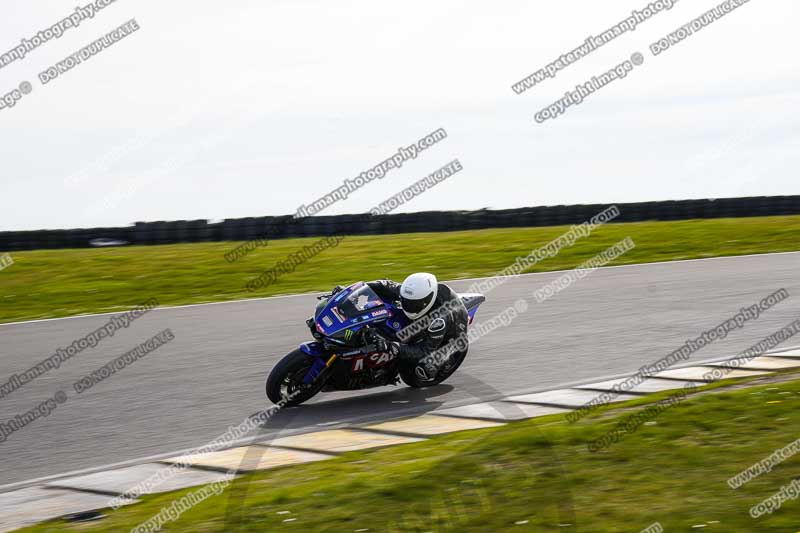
449	323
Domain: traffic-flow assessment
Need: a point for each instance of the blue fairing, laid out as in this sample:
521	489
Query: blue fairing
354	307
313	348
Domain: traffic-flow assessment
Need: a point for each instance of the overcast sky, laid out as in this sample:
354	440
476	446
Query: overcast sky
250	108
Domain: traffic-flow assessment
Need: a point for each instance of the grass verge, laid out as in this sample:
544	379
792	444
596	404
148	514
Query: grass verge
536	475
56	283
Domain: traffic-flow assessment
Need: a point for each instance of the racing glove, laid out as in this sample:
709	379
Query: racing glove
382	344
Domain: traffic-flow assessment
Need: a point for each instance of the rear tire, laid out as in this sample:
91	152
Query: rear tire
286	380
411	379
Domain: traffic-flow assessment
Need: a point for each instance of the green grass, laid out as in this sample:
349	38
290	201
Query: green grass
55	283
673	472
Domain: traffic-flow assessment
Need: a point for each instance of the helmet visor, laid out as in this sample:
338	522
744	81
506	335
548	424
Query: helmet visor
415	307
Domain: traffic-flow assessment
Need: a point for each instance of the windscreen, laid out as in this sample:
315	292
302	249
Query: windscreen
360	300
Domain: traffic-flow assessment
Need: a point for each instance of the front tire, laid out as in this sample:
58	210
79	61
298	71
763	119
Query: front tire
286	380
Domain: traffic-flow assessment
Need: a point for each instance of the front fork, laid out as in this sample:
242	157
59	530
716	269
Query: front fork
319	368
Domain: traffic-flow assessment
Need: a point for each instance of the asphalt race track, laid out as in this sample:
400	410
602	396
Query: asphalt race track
212	374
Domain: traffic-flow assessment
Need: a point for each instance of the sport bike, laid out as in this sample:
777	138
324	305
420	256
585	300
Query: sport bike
340	358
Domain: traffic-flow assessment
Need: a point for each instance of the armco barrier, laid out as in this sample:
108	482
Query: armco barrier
242	229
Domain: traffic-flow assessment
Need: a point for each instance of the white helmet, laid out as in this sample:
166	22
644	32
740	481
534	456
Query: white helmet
418	294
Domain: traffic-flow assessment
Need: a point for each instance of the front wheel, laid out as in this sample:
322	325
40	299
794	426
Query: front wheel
285	382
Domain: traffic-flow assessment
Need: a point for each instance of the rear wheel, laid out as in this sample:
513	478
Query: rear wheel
286	380
446	369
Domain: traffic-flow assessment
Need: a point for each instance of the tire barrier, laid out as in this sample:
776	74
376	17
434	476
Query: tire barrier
243	229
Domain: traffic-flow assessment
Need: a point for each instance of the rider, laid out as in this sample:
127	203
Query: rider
443	315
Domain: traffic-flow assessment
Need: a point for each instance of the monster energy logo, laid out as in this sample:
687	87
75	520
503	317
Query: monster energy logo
348	334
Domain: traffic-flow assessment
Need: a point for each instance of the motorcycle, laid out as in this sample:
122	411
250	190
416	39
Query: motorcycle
340	358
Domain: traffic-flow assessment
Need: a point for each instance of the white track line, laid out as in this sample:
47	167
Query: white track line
657	263
366	418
